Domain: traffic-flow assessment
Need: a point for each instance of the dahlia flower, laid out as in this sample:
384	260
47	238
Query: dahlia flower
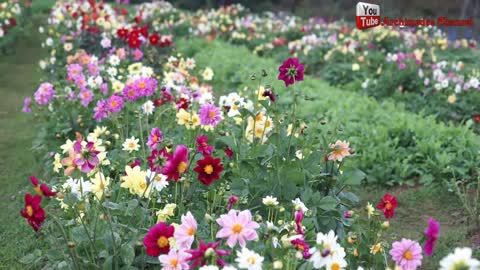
237	227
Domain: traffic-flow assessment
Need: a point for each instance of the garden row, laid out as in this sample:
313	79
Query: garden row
418	67
394	146
206	156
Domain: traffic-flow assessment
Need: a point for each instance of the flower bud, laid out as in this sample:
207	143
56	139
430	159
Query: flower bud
71	244
210	252
277	264
107	132
385	225
208	218
298	255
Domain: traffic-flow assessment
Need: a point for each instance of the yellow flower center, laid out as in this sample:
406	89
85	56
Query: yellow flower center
208	169
251	260
158	178
29	210
268	124
141	85
38	190
237	228
335	266
182	167
162	242
388	206
131	145
113	103
408	255
191	231
211	114
173	262
155	138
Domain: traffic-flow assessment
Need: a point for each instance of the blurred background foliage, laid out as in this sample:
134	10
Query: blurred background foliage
345	9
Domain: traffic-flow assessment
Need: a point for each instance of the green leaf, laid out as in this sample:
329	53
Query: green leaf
112	205
328	203
127	253
352	177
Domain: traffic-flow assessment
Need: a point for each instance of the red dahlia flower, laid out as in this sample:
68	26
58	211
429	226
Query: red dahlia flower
157	240
388	205
208	169
135	163
269	94
476	118
154	39
206	251
33	212
176	164
291	71
41	189
229	152
122	33
134	42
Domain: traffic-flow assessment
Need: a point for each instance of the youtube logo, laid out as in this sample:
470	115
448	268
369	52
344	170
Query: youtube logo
368	15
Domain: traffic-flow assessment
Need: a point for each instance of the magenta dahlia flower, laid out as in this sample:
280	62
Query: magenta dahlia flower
44	93
431	233
157	240
87	158
206	251
26	105
202	145
85	96
291	71
100	110
210	115
115	103
177	163
74	71
154	138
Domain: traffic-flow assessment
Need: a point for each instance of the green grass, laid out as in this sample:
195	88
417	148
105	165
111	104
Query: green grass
42	6
19	78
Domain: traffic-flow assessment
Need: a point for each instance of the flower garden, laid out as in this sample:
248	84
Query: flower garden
144	136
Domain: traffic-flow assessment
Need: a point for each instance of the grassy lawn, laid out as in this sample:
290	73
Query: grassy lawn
19	76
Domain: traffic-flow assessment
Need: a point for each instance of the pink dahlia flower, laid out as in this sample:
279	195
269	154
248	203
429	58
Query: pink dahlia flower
185	233
237	227
407	254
